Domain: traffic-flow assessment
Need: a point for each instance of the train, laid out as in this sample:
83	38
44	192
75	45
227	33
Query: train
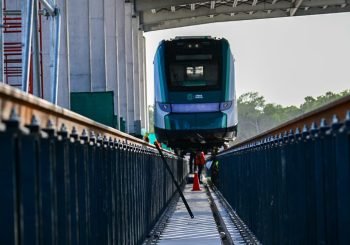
195	104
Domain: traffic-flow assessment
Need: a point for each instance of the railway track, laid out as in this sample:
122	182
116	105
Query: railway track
237	231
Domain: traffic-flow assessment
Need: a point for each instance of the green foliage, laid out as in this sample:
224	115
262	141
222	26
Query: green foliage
255	116
312	103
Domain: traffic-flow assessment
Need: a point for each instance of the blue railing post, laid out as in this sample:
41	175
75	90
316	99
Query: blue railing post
9	205
69	188
292	188
343	180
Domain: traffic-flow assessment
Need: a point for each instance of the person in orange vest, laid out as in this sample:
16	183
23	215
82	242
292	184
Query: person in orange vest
199	162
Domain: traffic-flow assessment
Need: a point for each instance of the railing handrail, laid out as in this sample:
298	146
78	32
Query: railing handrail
338	107
28	105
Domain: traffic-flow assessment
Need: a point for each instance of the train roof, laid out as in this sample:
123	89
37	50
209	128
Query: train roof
185	38
192	37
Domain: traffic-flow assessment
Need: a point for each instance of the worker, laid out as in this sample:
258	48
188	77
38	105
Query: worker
199	162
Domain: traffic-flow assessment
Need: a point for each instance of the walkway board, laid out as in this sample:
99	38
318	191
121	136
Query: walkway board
181	229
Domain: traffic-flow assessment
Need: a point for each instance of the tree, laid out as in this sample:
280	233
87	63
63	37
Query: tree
254	116
250	108
313	103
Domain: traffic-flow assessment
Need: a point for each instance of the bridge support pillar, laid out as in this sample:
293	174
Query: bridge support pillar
78	46
97	20
101	50
136	73
130	127
121	56
111	55
143	87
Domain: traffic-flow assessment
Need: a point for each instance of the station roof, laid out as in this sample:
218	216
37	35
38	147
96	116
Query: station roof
164	14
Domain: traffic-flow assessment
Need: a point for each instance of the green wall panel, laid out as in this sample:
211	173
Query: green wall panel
98	106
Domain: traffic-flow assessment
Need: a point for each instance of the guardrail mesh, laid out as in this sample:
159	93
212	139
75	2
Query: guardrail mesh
63	188
292	188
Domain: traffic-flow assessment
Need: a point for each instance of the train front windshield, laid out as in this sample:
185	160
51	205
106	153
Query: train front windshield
193	65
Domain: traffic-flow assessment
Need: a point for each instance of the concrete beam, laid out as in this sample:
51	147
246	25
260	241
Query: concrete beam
320	3
330	9
149	18
312	7
142	5
206	20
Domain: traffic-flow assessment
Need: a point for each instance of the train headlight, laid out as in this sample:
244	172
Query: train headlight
225	105
164	107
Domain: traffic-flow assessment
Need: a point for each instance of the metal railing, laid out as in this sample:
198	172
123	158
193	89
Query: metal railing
292	187
59	186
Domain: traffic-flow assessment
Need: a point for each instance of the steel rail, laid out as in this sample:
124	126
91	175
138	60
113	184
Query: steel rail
338	107
27	106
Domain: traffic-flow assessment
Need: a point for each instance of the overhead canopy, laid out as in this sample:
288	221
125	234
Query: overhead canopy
164	14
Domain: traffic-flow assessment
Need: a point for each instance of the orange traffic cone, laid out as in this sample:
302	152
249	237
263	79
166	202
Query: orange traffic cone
196	183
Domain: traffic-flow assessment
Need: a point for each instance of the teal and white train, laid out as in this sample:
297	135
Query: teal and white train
195	99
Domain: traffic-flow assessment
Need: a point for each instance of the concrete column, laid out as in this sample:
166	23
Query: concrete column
46	58
97	45
143	106
79	45
63	96
145	94
111	51
129	67
121	66
136	78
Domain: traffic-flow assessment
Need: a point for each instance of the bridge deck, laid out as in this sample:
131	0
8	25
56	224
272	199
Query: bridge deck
181	229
